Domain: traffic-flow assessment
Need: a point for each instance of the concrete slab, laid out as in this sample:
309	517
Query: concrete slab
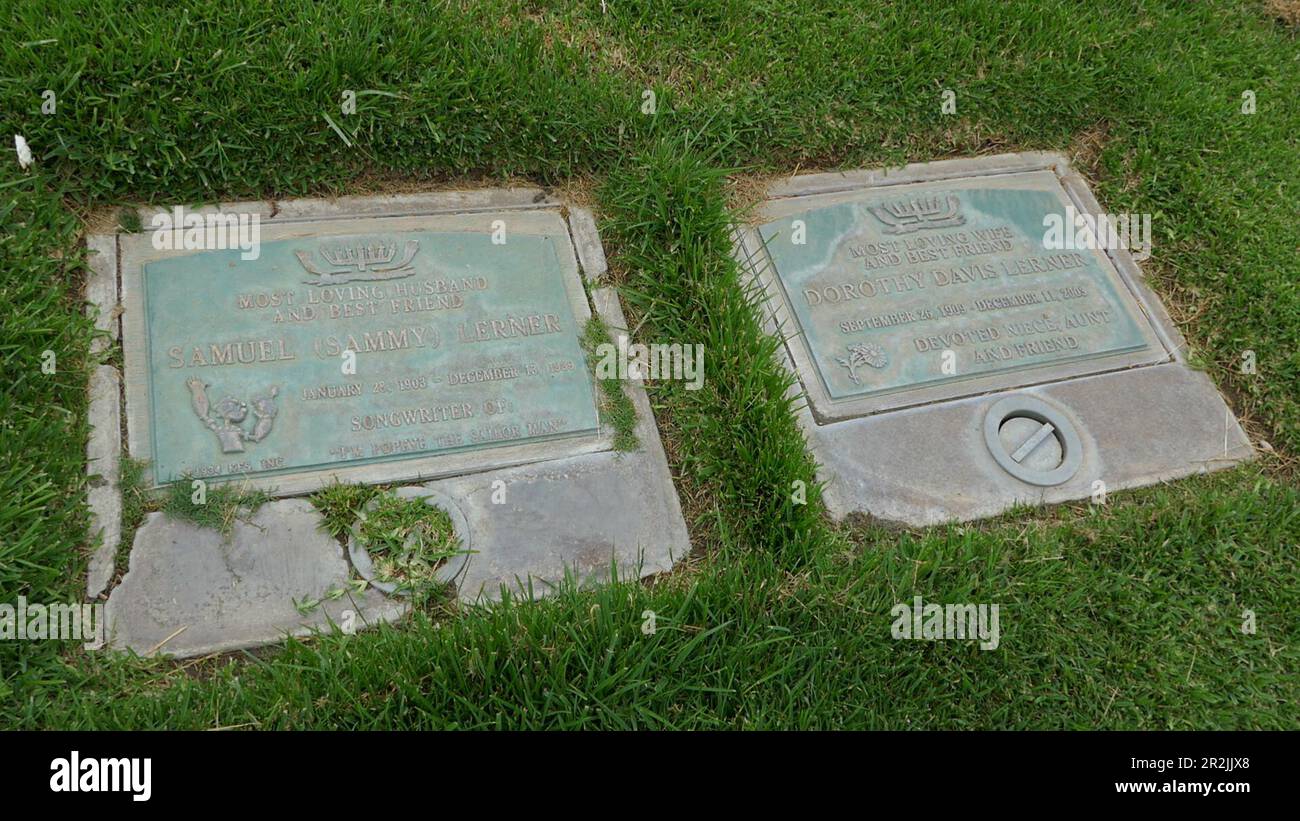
105	504
928	465
101	290
582	515
586	241
103	467
191	592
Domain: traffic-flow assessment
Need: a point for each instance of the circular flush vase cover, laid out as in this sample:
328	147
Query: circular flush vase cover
1032	440
450	570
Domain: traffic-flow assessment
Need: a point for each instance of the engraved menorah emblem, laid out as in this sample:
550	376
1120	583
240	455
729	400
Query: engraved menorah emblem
360	263
917	213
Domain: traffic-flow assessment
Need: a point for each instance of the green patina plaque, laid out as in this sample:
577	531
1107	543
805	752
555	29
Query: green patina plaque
341	350
886	282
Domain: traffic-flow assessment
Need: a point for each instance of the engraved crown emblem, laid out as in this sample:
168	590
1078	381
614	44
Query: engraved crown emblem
361	262
917	213
360	256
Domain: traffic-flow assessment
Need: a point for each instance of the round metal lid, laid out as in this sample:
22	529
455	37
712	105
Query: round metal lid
1032	440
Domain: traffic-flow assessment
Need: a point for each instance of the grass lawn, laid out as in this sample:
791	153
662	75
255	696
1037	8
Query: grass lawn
1122	616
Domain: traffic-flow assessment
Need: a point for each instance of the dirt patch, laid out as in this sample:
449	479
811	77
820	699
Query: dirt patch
1085	149
103	219
579	191
746	191
1286	11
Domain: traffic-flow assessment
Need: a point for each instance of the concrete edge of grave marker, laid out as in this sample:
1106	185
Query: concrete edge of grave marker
586	241
132	324
378	205
829	182
874	458
104	387
190	592
621	507
103	464
101	288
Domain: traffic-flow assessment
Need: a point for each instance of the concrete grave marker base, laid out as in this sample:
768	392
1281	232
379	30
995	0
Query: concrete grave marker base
467	351
190	591
583	514
918	303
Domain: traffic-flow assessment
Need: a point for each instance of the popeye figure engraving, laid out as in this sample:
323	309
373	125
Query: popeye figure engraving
226	418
